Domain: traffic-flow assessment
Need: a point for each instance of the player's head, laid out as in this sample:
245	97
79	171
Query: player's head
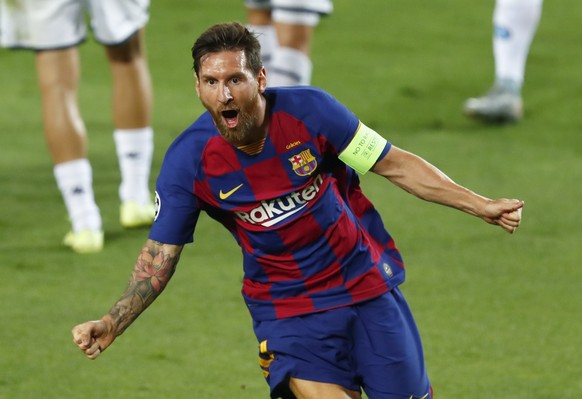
231	36
230	81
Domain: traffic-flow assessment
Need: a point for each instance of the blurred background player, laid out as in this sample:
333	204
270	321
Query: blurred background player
514	25
285	31
54	29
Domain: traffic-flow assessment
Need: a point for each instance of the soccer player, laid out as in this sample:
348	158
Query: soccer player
514	25
278	168
285	30
54	29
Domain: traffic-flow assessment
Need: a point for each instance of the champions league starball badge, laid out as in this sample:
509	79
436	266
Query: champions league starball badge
157	205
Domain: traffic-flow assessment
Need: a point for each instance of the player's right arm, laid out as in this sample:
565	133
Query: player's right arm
152	272
424	180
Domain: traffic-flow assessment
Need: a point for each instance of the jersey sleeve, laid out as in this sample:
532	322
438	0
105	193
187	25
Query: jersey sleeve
354	143
177	208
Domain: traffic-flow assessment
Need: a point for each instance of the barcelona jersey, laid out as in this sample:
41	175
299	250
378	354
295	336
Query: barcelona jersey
310	239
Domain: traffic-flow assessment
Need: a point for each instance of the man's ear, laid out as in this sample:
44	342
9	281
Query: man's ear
262	80
197	84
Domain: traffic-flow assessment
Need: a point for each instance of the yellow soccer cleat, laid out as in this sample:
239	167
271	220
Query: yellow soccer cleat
133	214
85	241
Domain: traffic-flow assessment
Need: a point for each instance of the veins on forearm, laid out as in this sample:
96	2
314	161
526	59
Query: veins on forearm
151	274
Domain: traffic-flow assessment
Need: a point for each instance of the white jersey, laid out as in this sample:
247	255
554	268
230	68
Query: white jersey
53	24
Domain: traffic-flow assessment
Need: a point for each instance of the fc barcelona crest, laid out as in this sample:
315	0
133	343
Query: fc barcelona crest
303	163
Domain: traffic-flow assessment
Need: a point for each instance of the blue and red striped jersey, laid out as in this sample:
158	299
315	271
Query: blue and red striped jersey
310	239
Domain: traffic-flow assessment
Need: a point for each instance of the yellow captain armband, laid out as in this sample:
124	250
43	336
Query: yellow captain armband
364	149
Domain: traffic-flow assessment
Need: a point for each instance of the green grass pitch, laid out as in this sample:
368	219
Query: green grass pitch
500	315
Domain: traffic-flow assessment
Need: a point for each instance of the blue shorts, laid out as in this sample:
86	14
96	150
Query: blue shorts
373	345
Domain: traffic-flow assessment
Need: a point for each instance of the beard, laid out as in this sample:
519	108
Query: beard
242	132
245	130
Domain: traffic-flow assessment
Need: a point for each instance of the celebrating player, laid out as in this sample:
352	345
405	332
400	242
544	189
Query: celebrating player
277	167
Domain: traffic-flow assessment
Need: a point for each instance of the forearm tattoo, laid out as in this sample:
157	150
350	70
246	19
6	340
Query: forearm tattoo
152	272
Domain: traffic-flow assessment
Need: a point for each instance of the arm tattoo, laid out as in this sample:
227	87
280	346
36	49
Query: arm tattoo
152	272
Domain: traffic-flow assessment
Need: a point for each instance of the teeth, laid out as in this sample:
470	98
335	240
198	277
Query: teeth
230	121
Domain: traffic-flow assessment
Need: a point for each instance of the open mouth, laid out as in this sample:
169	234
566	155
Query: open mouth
230	117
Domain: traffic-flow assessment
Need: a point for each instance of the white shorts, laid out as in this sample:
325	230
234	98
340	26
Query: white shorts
53	24
301	12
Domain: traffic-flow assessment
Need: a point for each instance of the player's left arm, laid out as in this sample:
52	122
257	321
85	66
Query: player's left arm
422	179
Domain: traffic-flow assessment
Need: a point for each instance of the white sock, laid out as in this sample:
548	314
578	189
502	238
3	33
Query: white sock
267	37
75	181
135	149
290	67
515	23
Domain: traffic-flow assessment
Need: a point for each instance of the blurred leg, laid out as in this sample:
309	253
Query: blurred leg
132	109
58	75
295	36
291	64
132	86
260	23
515	23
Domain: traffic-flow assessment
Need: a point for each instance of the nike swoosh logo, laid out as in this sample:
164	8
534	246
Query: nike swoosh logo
224	196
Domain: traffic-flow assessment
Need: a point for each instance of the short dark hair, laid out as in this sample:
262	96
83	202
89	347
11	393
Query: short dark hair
231	36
